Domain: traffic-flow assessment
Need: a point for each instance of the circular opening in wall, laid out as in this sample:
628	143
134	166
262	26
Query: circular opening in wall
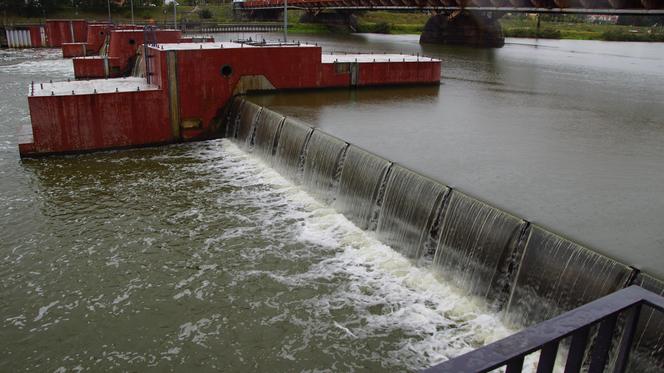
226	70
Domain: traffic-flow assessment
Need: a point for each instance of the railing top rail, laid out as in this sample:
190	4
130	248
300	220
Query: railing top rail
533	338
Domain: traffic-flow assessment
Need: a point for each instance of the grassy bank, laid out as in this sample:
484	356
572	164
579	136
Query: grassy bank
526	27
219	14
375	22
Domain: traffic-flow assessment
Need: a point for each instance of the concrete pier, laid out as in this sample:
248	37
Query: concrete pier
464	28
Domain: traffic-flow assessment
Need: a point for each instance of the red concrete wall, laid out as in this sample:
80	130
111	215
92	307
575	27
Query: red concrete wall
94	40
399	72
203	91
97	33
35	36
60	31
124	44
99	121
89	67
122	54
158	69
70	50
330	78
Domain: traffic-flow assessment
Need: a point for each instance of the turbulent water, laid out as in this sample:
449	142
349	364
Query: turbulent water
212	255
200	257
521	269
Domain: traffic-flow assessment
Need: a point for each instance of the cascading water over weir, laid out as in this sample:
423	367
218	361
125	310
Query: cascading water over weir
519	269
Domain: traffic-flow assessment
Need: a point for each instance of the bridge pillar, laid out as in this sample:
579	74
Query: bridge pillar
464	28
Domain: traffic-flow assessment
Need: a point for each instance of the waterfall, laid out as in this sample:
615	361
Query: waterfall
291	148
138	70
522	270
268	124
556	275
245	124
407	211
324	154
361	178
233	116
475	238
649	337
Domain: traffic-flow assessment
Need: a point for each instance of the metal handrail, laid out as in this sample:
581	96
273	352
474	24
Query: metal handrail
546	336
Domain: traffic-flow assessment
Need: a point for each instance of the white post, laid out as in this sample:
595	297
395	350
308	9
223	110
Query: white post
175	14
108	3
131	3
285	21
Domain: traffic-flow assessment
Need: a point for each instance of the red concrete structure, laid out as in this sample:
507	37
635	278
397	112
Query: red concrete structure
96	36
187	88
59	31
118	61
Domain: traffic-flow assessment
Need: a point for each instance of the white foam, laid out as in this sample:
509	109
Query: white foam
386	292
44	310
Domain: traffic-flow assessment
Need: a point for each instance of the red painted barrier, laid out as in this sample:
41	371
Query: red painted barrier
189	85
95	39
37	36
121	54
65	31
70	50
96	35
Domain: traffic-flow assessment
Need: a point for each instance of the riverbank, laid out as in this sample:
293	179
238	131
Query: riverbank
526	27
382	22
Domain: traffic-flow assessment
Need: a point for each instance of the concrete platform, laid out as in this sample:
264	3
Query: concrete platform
95	86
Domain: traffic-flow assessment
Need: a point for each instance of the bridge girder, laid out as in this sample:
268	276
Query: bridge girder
610	7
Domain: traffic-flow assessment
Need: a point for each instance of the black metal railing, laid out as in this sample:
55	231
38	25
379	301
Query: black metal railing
547	336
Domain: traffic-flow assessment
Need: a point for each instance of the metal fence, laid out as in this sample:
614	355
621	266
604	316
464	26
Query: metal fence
547	336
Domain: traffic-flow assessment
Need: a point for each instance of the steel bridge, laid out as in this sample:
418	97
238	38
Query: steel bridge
612	7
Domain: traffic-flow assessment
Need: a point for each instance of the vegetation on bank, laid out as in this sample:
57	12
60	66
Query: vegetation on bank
518	25
573	28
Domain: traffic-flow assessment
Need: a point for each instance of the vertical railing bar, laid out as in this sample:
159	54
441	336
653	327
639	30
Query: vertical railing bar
602	346
577	350
627	339
515	365
548	357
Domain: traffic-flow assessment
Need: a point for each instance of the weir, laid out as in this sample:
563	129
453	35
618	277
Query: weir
408	211
477	246
519	269
359	186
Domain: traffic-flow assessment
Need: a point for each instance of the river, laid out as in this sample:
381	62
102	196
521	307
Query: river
566	134
201	257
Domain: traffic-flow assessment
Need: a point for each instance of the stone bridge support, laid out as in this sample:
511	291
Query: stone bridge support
477	29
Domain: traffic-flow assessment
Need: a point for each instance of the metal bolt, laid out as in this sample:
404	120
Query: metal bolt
72	92
52	93
94	91
116	89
